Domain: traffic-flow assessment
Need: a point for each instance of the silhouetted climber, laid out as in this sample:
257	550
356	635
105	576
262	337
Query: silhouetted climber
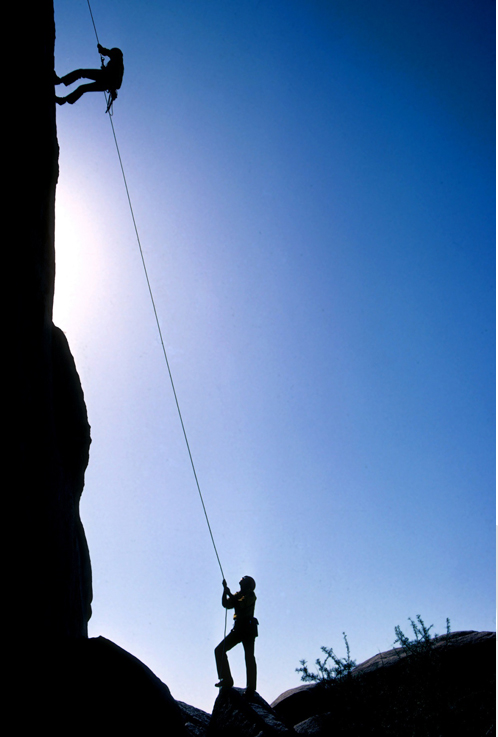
245	630
107	79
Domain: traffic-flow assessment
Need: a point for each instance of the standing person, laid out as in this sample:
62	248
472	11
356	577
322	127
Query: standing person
245	630
106	79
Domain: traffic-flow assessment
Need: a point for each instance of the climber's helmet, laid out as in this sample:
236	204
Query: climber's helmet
247	583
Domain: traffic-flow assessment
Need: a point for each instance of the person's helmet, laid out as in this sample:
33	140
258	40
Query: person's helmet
247	582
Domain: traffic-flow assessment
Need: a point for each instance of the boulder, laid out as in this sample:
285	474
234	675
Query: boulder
91	686
300	703
314	725
447	689
196	721
237	715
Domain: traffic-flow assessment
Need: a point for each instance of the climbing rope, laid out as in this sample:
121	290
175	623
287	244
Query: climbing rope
109	106
93	21
108	98
164	347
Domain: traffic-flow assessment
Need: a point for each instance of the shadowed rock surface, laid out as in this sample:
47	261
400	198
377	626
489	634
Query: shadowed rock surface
92	686
196	721
47	576
57	678
448	690
235	715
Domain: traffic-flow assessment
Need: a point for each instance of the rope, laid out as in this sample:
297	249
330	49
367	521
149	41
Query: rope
91	16
164	347
159	326
108	99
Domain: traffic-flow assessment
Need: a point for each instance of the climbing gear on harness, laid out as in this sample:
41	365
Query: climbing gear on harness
110	100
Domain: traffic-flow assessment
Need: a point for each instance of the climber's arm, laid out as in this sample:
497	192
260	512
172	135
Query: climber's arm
227	600
103	51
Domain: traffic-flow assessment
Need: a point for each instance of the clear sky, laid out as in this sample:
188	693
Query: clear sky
314	187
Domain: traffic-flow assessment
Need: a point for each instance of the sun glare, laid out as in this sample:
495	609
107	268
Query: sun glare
77	266
68	251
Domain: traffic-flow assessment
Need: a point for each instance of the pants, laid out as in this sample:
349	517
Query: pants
100	82
220	653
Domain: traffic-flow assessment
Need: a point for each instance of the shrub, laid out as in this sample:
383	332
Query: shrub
423	641
341	667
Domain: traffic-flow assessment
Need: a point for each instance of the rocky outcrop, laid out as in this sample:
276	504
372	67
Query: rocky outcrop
196	721
448	689
91	686
449	692
236	715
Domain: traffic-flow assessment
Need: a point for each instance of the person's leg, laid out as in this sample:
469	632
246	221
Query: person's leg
220	654
251	669
90	87
68	79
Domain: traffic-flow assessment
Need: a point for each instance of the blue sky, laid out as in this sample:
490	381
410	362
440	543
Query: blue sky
314	188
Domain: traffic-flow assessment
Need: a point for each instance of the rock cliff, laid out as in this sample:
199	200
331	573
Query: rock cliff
48	578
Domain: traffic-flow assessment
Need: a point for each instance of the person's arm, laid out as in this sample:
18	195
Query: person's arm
104	52
227	599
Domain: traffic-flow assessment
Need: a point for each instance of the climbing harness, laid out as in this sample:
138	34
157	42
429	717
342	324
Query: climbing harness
109	101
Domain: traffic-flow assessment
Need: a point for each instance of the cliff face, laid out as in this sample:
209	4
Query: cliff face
46	562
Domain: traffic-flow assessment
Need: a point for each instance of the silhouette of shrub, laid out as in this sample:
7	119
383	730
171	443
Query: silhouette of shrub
422	642
341	667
